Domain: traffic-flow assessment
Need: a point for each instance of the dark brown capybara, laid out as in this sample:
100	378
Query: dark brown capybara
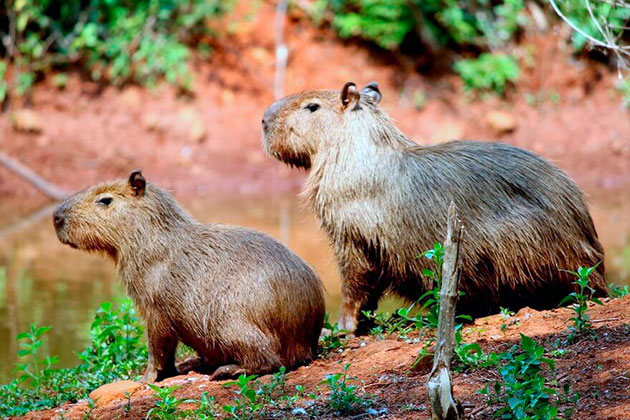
382	199
241	299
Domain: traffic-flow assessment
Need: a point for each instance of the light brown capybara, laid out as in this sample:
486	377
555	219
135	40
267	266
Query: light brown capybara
383	199
241	299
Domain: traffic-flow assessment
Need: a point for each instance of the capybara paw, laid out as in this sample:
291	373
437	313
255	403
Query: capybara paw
226	371
347	323
150	375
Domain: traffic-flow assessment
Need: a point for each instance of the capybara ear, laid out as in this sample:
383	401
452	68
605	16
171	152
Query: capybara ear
349	95
372	92
137	183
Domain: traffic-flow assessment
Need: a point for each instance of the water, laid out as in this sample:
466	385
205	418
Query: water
51	284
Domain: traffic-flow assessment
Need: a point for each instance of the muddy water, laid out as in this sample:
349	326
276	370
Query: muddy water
50	284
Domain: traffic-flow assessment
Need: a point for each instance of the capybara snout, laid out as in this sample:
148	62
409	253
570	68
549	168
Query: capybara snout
241	299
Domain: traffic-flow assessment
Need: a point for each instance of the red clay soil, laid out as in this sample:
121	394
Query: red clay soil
209	144
597	368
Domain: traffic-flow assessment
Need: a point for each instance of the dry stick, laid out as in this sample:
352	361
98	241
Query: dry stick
439	385
36	180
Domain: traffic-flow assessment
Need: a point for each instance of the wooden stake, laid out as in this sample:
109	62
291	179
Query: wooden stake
439	385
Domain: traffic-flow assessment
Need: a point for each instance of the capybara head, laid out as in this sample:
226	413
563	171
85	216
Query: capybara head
106	217
297	127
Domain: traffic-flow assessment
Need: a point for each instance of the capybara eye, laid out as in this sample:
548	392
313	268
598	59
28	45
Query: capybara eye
106	201
312	107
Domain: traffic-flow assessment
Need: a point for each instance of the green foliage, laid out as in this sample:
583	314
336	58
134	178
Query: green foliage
616	291
247	403
623	86
166	404
116	352
117	349
344	398
332	341
206	409
113	40
256	400
389	23
611	15
35	370
526	390
488	72
467	355
580	299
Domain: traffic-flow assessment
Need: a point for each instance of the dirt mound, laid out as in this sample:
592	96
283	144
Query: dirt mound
209	144
597	368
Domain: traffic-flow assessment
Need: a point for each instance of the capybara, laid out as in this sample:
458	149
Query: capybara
383	199
241	299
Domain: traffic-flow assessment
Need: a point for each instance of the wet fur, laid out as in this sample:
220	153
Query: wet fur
236	296
383	199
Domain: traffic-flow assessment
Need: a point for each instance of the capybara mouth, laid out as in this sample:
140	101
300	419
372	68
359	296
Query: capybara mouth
64	240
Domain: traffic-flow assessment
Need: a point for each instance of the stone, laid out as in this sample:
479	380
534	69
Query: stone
500	122
105	394
196	128
447	131
26	121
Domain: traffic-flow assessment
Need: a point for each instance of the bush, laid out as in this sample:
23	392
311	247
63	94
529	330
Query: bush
610	16
488	72
116	352
113	40
448	22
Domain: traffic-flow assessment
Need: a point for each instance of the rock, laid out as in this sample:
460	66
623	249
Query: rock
500	122
131	96
26	121
449	130
196	127
115	391
153	122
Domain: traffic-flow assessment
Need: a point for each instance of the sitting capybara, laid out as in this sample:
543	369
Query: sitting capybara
242	300
383	199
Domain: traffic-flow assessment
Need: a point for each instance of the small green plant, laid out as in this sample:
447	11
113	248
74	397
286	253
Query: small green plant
332	341
525	390
247	403
431	299
616	291
166	404
581	319
36	370
488	72
467	355
206	409
343	398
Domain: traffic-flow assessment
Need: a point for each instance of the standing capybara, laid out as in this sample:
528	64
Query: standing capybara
242	300
382	199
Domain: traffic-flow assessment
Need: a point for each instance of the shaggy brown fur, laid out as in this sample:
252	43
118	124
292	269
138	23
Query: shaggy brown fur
383	199
238	297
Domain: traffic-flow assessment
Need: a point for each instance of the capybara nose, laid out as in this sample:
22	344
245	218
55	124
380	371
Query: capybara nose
264	124
58	219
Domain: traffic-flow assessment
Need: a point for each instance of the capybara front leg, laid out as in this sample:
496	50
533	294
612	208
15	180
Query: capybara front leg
161	363
358	295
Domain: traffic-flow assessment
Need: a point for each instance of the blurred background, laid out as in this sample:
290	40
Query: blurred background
91	89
